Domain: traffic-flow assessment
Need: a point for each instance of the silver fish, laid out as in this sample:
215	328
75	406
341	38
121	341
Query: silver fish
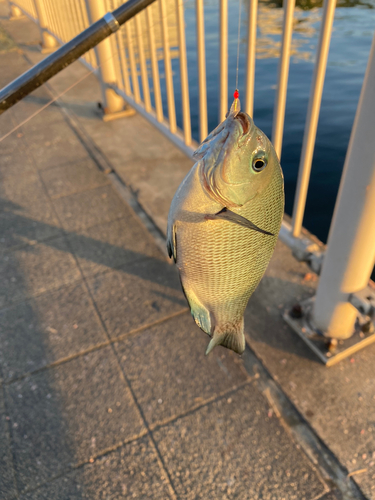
223	225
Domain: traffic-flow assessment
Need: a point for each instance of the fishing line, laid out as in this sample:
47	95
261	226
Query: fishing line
238	43
90	72
46	105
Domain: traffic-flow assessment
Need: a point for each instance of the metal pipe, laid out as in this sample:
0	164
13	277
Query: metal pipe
183	72
282	85
142	64
350	254
133	66
223	58
312	116
123	62
168	68
251	55
201	71
154	67
68	53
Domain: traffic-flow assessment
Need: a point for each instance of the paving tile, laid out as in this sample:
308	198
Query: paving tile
64	415
339	402
89	208
233	449
32	103
73	178
14	63
15	161
7	483
35	269
23	32
45	329
26	196
26	213
173	353
54	144
129	472
137	294
109	246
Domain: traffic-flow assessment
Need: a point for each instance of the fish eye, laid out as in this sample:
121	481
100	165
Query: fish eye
259	164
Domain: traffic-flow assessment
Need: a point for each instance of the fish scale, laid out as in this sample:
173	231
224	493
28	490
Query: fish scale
221	262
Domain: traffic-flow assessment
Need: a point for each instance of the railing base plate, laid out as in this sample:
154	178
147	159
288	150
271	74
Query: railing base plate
107	117
327	351
48	50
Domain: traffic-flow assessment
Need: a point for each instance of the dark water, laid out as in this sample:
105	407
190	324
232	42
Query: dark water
350	45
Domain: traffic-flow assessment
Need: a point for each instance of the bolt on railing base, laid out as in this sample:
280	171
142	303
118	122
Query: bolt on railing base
330	351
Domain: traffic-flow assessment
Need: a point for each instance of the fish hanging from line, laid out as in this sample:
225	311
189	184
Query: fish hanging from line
223	225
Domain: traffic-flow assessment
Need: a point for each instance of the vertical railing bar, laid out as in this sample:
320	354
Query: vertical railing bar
201	70
282	81
116	61
168	68
154	66
61	17
83	25
133	67
56	21
250	59
65	23
183	72
223	51
142	64
52	20
124	65
86	21
74	24
80	25
312	116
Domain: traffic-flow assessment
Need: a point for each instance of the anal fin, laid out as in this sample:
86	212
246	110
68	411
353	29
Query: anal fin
200	313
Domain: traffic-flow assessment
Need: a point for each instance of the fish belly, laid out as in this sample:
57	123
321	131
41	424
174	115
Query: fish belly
220	265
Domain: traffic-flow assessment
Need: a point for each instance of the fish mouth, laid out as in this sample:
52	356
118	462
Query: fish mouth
245	123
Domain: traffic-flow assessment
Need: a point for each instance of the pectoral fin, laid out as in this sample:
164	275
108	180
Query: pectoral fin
172	243
226	214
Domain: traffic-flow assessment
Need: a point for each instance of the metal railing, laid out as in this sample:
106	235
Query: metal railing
127	64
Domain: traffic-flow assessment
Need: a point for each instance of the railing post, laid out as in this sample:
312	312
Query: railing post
350	253
113	104
49	43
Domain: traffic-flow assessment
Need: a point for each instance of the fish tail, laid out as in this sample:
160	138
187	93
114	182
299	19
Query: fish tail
230	335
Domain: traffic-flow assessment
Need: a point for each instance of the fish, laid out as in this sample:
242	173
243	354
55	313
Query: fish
223	225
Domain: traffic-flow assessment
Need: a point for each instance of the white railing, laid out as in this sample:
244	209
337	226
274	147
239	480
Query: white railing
128	65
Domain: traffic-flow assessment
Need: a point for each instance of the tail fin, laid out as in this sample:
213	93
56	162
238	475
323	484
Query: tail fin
230	336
